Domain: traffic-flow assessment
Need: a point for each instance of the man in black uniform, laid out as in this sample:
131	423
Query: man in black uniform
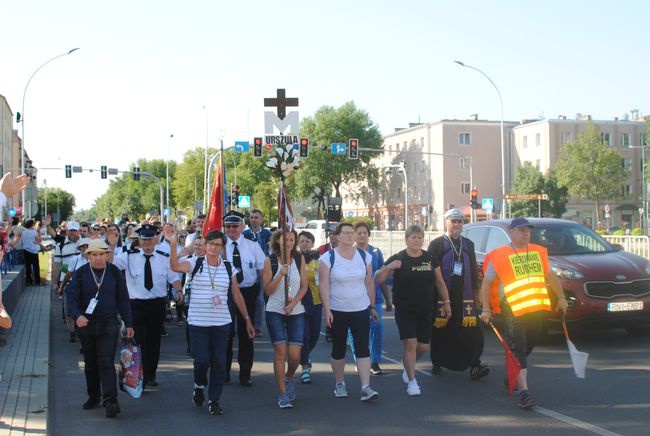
457	344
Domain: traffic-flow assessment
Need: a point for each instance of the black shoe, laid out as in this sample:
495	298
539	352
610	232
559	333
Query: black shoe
152	382
436	369
112	409
477	372
246	382
197	397
215	408
91	403
164	333
375	369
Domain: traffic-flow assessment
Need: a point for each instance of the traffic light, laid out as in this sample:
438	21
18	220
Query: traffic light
136	173
104	171
474	197
235	195
257	147
304	147
354	148
68	171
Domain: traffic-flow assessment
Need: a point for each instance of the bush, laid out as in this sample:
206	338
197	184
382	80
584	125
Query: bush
637	231
602	232
619	232
365	219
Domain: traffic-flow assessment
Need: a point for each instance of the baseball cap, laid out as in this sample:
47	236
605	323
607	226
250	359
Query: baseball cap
73	225
520	221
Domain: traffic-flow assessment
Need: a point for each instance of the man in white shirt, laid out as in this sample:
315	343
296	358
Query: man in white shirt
147	274
248	259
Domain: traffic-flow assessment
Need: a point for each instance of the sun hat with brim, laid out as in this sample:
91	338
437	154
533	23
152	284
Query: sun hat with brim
83	241
97	246
520	222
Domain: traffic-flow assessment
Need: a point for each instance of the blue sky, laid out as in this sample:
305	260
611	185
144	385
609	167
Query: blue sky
147	68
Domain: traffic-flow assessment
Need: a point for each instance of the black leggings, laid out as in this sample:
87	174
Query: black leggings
359	325
31	261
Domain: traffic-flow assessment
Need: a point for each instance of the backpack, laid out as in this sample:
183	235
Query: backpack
362	252
198	266
307	299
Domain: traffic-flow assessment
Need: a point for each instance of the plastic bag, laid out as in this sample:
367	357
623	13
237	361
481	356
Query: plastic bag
131	368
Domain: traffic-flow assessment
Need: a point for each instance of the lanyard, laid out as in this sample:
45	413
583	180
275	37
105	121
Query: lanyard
453	247
99	282
212	277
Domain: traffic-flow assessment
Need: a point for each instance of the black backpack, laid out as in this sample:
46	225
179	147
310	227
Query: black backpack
198	266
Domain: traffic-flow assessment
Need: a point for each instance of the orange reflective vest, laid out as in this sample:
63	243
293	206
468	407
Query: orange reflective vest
523	275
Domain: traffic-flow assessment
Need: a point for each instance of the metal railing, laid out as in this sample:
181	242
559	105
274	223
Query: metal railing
391	242
639	245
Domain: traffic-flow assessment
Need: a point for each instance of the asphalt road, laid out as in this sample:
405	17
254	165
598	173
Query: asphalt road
613	399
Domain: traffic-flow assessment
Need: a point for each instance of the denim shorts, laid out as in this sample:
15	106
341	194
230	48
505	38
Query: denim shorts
285	329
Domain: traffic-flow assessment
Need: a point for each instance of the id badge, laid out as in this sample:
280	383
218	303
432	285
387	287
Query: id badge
91	306
216	301
458	269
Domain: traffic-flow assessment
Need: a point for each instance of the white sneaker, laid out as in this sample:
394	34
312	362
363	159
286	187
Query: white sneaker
413	389
405	377
368	394
340	390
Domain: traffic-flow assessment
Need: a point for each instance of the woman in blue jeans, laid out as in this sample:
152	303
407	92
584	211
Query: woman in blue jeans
284	310
214	280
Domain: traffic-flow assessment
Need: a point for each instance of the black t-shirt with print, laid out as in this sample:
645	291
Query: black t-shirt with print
414	284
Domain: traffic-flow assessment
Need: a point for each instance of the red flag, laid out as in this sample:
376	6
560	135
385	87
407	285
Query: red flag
512	363
214	218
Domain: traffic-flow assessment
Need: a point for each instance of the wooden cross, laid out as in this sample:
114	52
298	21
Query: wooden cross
281	102
468	308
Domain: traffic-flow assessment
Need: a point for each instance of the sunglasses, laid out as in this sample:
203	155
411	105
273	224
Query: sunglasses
231	226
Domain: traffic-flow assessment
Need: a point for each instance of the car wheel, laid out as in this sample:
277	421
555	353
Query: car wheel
637	331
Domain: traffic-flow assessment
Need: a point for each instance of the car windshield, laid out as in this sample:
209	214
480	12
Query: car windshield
570	239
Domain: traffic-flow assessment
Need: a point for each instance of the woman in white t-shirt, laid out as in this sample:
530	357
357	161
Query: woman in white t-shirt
285	314
208	315
347	291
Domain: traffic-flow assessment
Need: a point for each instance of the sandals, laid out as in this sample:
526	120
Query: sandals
305	377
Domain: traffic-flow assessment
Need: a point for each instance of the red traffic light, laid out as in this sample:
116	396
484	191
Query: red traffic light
354	148
258	141
304	147
257	147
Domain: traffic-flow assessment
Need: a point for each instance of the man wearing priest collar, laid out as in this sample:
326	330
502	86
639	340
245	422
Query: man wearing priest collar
247	258
147	274
457	343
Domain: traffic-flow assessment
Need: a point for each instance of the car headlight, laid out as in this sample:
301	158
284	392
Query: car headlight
567	273
647	268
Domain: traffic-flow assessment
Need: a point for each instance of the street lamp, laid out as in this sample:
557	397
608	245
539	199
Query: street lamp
22	117
165	220
402	170
503	153
643	210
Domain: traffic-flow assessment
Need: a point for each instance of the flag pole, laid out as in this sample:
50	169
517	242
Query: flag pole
223	176
283	218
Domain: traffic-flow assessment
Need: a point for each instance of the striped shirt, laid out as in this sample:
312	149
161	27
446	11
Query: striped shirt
208	306
276	299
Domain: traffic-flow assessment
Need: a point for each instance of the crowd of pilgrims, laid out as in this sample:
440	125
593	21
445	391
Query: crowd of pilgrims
127	279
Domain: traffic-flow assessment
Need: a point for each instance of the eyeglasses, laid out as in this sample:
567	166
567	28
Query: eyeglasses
213	245
457	221
348	233
231	226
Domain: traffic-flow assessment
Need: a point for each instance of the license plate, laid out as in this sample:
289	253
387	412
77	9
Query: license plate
624	306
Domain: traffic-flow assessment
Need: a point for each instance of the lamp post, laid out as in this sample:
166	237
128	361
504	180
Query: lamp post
45	198
643	210
22	119
401	169
503	153
166	219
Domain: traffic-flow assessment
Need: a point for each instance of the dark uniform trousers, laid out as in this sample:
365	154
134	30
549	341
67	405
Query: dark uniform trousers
245	350
148	318
99	340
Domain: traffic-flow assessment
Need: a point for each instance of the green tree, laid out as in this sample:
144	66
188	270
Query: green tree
188	177
529	180
58	201
321	173
591	169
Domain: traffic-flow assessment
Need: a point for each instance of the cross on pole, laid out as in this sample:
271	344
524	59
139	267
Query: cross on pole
281	102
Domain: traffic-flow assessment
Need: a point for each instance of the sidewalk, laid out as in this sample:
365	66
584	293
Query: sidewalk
24	366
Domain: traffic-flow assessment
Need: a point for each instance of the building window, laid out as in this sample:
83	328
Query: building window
626	139
567	137
538	139
643	139
605	137
465	138
538	164
525	141
627	164
465	162
465	188
626	191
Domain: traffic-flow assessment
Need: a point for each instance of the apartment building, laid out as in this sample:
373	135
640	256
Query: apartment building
442	160
540	143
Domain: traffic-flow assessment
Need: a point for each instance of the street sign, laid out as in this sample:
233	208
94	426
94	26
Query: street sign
166	212
242	146
12	212
526	197
487	204
77	169
244	201
350	214
112	171
198	206
339	148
